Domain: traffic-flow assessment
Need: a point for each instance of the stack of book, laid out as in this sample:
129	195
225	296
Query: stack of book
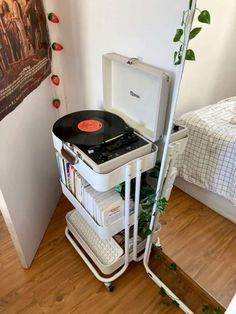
104	207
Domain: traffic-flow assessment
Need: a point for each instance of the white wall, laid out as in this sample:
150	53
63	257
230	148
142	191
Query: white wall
88	29
212	76
29	188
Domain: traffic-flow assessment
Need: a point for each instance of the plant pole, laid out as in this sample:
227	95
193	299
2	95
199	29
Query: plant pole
166	139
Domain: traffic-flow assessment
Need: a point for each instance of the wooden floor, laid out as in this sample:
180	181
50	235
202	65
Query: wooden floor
200	242
60	282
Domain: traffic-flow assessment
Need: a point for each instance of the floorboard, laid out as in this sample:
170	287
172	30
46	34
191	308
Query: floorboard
202	243
59	281
198	240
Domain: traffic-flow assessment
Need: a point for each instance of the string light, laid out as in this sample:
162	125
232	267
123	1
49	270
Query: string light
55	79
57	47
52	17
56	103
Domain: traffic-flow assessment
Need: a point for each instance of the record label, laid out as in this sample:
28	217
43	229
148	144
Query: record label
90	125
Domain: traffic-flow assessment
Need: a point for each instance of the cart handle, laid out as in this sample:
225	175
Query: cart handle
69	155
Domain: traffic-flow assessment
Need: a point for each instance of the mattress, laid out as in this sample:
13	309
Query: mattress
209	160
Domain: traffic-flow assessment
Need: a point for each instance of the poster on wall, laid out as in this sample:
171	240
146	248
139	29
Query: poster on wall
25	59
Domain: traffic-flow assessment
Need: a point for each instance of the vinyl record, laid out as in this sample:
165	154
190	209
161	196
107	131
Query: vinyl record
89	127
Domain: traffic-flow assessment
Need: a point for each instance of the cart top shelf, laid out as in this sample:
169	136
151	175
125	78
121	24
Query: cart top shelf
104	182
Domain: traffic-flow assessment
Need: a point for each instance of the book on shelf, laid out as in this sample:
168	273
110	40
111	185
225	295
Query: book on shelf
67	174
104	207
61	168
77	186
72	178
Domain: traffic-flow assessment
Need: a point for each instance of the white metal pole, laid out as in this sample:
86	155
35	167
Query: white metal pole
127	212
136	208
164	156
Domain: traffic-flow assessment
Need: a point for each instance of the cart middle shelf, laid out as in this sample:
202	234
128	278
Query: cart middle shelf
104	232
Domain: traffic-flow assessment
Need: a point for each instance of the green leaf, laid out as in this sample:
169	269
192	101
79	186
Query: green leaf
178	60
175	56
205	308
178	35
194	32
118	188
161	205
146	190
216	310
162	291
149	200
204	17
176	303
173	267
155	172
166	302
148	232
190	4
157	255
190	55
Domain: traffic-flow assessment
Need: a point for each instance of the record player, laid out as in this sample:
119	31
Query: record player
135	103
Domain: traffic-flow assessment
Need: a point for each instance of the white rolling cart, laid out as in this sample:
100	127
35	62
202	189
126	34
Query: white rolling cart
103	182
138	93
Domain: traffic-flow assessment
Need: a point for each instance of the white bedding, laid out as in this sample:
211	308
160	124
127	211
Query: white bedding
209	160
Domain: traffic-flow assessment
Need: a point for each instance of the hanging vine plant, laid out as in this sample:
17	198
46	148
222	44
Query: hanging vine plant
147	201
180	35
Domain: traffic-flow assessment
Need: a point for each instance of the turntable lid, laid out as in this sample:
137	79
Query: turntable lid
137	92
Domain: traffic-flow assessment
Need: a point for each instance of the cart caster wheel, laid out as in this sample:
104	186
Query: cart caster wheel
109	286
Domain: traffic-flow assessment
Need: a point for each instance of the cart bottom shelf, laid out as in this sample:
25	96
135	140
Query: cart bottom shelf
89	256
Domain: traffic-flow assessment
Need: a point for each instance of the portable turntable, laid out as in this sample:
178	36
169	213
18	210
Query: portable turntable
135	103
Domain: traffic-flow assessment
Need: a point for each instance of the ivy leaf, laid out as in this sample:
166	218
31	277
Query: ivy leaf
155	171
205	308
194	32
149	200
176	303
190	55
178	60
204	17
161	205
146	190
173	267
162	292
216	310
148	232
118	188
166	302
175	55
190	4
178	35
157	255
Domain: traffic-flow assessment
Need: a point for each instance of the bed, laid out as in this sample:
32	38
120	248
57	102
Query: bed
207	168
